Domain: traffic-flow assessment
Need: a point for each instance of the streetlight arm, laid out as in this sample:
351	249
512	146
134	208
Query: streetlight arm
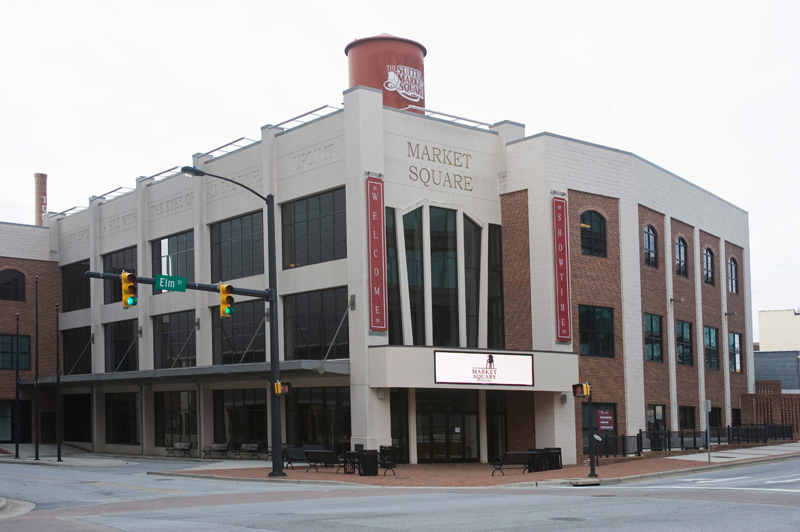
194	172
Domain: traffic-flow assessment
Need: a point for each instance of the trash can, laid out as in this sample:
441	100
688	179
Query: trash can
553	457
369	464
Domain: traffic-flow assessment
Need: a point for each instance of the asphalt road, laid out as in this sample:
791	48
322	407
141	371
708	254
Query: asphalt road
123	496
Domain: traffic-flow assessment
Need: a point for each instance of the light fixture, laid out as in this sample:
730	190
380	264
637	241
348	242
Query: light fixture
676	300
731	313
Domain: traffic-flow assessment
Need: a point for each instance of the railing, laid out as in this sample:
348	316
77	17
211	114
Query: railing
682	440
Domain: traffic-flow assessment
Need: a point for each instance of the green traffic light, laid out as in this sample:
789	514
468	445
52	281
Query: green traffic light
229	311
131	301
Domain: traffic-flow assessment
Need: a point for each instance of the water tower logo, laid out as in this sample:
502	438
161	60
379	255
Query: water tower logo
406	81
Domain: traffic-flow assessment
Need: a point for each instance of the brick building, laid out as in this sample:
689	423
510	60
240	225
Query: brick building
447	309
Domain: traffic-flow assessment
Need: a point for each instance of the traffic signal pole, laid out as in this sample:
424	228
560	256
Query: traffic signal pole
261	294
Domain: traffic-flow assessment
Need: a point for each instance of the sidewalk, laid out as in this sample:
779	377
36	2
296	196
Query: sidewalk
438	475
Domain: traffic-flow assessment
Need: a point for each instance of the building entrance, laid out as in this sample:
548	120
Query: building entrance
447	426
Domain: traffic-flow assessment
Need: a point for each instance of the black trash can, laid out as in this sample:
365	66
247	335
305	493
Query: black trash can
553	457
369	464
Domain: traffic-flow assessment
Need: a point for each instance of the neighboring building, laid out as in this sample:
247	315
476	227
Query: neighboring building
512	267
25	254
783	366
777	330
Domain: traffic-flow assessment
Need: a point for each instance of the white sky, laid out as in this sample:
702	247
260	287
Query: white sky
97	93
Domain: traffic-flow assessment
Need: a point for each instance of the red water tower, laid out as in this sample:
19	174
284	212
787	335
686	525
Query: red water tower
391	64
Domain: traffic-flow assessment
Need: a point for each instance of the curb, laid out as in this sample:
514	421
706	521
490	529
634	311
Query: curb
3	504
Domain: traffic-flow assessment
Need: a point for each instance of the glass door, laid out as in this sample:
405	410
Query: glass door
447	426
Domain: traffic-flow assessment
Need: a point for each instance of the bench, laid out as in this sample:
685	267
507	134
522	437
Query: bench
523	460
250	449
292	454
220	449
320	457
388	463
180	447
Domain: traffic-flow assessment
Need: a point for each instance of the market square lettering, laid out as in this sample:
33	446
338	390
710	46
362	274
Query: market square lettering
440	177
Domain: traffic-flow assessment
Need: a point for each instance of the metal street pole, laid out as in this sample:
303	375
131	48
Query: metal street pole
274	357
58	386
592	473
36	376
16	397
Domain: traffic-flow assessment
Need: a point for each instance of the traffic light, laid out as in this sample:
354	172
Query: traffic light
283	388
128	290
225	300
581	390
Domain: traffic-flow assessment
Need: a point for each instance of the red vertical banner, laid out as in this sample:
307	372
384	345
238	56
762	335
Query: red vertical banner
561	256
376	234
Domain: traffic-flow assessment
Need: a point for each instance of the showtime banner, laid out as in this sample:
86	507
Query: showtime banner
561	256
376	235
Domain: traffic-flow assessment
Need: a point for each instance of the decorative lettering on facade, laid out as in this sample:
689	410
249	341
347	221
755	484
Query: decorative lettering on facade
313	157
119	223
561	257
376	233
218	189
406	81
74	238
440	171
171	205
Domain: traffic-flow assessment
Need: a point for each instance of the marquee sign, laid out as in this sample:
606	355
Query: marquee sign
376	235
483	368
561	257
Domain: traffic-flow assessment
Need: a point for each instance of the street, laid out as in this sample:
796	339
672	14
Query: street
132	495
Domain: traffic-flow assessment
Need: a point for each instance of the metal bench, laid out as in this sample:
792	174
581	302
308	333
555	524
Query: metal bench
319	457
292	454
220	449
180	447
253	450
523	460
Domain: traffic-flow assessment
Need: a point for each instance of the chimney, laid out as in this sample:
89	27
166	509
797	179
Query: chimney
41	197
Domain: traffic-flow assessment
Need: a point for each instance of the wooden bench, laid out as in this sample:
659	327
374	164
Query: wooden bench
320	457
180	447
250	449
220	449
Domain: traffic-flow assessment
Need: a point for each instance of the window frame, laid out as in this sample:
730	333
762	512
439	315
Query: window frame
733	276
12	285
681	257
588	331
8	352
708	266
711	347
684	350
319	223
232	246
179	263
653	339
650	246
594	234
735	352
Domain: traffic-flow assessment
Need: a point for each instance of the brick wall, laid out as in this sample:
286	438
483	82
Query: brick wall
712	317
521	421
596	281
736	324
516	270
683	288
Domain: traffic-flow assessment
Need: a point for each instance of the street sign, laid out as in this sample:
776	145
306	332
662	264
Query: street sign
170	283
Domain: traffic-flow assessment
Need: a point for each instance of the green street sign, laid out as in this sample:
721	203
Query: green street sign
170	283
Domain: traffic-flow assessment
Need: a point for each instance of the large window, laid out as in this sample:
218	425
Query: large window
596	326
472	278
394	310
495	338
77	351
314	229
8	351
174	256
733	276
175	417
653	339
240	416
174	340
686	418
75	286
649	244
122	418
310	323
240	338
117	262
319	416
681	264
444	277
708	266
683	336
593	234
237	248
12	285
735	351
412	227
122	346
711	348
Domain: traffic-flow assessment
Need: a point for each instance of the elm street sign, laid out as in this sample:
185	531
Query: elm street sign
170	283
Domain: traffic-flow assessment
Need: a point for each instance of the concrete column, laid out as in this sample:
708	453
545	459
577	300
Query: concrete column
555	423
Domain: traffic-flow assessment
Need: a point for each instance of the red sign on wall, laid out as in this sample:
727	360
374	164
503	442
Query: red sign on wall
376	235
561	256
605	419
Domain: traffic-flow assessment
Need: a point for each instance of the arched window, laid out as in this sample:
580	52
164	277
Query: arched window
733	276
708	266
12	285
681	265
593	234
649	244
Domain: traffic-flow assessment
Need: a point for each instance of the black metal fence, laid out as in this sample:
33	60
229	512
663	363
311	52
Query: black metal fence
682	440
